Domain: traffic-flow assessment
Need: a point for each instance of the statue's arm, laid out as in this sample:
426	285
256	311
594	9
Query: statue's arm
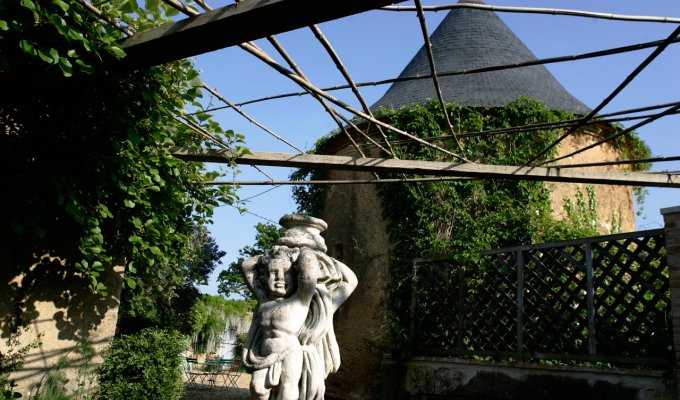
346	286
249	270
308	274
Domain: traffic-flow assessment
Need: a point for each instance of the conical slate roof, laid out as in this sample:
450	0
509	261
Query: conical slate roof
469	39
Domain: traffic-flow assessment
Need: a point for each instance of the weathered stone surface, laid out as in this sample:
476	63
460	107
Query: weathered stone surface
291	346
59	311
441	378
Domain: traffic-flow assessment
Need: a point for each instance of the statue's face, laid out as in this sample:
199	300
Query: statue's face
281	280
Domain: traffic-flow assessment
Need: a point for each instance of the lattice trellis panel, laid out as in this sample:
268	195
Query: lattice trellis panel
555	304
598	299
632	298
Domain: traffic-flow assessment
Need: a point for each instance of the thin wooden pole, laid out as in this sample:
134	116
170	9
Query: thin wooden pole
590	294
332	112
653	118
181	7
612	95
414	298
337	181
343	70
461	308
249	118
433	71
268	60
520	305
543	61
96	11
537	10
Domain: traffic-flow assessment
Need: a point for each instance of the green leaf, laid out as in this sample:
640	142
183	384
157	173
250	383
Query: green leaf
129	203
66	66
55	56
27	47
28	4
131	282
3	25
155	250
127	7
104	211
86	68
116	52
132	268
64	6
44	54
196	82
203	116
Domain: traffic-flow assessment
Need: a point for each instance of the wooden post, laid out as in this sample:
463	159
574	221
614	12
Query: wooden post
590	293
461	308
671	218
412	310
520	305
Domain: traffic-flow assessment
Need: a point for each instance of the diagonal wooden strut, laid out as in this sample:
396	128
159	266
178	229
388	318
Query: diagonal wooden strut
434	168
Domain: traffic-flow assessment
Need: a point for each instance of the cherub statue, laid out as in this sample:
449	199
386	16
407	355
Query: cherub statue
291	345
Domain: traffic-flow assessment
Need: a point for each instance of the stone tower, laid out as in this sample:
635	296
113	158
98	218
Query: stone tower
466	39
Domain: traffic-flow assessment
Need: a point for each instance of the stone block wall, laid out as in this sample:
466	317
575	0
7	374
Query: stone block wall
59	310
671	218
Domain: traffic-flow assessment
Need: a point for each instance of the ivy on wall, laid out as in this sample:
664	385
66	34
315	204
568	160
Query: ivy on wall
92	176
458	219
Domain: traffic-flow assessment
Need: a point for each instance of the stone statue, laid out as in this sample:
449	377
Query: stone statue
291	346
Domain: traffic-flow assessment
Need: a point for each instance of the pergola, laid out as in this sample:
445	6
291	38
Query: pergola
206	29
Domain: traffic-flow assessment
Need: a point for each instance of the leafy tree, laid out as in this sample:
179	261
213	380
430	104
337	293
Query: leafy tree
230	280
89	146
173	301
202	257
217	311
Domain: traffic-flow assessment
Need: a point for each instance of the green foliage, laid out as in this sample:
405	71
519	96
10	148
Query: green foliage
173	301
55	386
458	219
217	311
231	281
94	180
12	360
582	219
145	365
202	257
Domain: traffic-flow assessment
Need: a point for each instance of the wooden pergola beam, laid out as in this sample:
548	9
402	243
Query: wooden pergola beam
235	24
433	168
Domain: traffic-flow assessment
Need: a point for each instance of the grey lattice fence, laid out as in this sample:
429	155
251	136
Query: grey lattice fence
600	299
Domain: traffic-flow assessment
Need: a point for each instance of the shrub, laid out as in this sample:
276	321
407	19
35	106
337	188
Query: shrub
145	365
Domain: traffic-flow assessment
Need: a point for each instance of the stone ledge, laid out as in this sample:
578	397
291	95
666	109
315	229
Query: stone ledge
670	210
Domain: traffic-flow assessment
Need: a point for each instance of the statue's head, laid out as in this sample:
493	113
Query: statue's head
279	276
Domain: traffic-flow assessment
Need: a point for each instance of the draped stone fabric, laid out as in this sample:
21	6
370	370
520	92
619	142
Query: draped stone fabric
320	353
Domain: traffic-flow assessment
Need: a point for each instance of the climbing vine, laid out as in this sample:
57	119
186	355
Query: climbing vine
458	219
93	179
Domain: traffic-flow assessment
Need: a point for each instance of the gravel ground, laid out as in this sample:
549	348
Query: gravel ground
205	392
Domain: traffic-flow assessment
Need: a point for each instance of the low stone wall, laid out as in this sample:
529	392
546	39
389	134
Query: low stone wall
427	378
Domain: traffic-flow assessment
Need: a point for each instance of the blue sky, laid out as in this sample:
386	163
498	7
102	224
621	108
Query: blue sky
378	44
